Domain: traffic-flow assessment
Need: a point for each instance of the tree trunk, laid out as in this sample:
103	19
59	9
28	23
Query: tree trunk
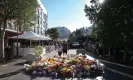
2	49
2	54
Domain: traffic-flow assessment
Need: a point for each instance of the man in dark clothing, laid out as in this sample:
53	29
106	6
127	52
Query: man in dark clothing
65	47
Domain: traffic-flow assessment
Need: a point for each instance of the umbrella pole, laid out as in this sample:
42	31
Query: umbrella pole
30	43
39	42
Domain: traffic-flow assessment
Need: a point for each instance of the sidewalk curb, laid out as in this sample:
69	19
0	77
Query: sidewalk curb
116	64
118	72
110	61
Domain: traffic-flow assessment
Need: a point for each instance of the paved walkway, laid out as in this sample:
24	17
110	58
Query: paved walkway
11	71
16	65
12	67
55	53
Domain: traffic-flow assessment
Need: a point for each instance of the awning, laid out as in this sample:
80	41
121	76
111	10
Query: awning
41	38
30	36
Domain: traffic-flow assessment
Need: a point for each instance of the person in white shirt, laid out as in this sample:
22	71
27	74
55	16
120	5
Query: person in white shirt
60	49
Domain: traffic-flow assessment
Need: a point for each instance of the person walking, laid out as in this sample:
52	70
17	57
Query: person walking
65	48
60	49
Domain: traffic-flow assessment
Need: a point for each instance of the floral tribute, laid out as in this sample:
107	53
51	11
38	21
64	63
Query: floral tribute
70	66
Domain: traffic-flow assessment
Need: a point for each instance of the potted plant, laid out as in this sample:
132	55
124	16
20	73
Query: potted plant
38	52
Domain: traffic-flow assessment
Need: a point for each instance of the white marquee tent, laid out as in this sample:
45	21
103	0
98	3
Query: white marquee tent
31	36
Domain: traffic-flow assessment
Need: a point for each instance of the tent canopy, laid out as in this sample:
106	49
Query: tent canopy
31	36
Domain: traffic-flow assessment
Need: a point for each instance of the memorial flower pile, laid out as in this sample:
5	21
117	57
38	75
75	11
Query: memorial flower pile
69	66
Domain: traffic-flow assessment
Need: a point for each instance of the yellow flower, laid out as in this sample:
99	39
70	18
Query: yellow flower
87	67
68	69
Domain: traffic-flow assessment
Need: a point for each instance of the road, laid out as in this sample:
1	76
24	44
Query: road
113	71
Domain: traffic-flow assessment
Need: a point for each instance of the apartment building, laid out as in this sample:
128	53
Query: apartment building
39	28
63	32
42	19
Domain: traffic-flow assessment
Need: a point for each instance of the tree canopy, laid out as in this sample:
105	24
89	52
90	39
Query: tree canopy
53	33
114	20
22	12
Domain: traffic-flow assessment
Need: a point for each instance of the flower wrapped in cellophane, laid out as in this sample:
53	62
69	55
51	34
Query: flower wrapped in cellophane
74	66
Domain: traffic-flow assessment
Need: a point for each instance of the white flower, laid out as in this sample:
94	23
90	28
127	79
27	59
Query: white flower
34	72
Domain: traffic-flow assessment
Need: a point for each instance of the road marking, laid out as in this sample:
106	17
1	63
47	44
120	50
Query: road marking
124	74
116	64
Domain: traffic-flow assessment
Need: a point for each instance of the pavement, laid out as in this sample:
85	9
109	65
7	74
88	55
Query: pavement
113	71
13	66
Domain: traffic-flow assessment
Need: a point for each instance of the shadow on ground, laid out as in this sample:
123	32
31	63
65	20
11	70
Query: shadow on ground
21	63
11	73
34	76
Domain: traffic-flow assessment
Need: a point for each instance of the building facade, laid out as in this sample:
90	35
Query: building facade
39	28
63	32
86	31
41	20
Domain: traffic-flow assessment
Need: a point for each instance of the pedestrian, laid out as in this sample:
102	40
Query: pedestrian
97	48
65	47
60	49
56	46
100	50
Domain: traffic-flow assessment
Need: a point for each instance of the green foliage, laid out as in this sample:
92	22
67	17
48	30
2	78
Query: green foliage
23	13
78	36
72	37
39	50
113	19
53	33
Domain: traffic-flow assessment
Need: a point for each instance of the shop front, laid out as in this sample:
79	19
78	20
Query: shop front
9	43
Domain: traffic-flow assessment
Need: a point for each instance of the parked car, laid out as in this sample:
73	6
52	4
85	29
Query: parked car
75	45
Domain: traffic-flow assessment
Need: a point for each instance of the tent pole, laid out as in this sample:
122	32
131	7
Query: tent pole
39	42
30	43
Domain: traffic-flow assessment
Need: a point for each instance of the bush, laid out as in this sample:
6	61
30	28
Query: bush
39	50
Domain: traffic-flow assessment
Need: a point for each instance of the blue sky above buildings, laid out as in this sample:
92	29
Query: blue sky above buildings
68	13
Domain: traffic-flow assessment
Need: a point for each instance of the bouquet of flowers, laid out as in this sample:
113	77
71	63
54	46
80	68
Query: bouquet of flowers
75	66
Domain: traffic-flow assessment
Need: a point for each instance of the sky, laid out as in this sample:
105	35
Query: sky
67	13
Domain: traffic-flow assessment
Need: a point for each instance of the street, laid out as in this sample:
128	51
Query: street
113	71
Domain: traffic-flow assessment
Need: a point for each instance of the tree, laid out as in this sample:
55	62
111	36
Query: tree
114	21
53	33
21	11
78	34
72	37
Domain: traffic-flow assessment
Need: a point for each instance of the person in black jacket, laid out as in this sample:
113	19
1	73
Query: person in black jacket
65	48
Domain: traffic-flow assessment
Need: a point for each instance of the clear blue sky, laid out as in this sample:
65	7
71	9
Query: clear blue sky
68	13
